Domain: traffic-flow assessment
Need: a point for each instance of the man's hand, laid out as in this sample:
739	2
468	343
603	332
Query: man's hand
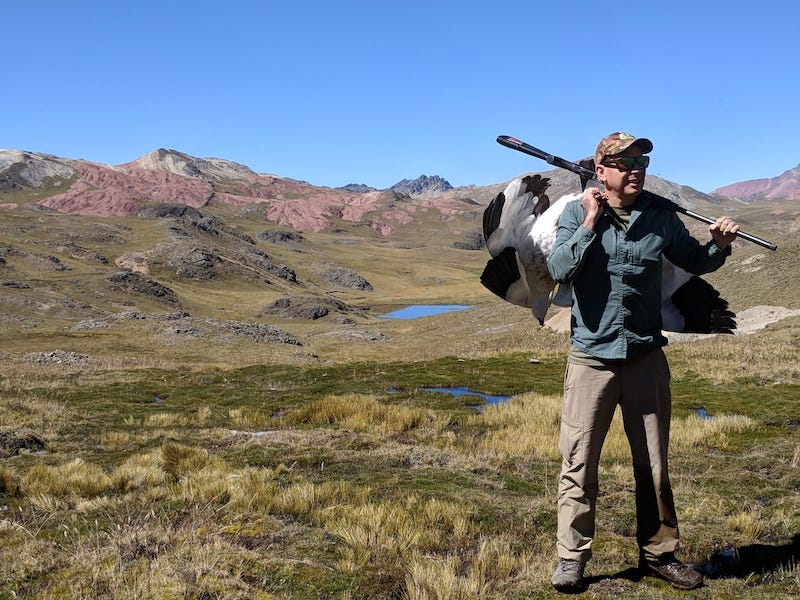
594	203
723	232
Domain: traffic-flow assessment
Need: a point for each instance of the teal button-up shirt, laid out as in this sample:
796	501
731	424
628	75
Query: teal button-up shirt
615	275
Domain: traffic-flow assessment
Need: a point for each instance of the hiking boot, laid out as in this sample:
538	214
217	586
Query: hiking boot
568	576
680	575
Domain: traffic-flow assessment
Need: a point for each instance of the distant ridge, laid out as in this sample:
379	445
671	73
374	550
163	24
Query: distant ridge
357	188
784	187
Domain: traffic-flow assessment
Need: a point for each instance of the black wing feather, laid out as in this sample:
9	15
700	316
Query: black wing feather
492	214
703	309
501	272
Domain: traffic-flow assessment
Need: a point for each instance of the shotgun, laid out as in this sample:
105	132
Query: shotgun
584	173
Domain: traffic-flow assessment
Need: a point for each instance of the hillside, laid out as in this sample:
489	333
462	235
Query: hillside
784	187
171	251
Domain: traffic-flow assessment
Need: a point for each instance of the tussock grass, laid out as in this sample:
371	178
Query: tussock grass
694	432
769	359
139	471
44	414
387	535
165	419
9	482
75	478
249	417
749	524
365	413
453	577
528	425
179	460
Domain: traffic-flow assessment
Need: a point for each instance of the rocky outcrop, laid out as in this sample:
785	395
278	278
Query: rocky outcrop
19	170
308	307
128	282
343	278
473	240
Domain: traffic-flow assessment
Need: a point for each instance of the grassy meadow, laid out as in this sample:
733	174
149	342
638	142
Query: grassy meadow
344	480
140	463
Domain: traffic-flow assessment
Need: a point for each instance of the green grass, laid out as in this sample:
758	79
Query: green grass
185	521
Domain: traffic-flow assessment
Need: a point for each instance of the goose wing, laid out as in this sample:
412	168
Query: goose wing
509	217
520	227
690	304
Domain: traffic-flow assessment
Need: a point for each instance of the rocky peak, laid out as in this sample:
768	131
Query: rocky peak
357	188
423	185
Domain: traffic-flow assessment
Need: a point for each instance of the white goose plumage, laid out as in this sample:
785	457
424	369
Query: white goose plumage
520	227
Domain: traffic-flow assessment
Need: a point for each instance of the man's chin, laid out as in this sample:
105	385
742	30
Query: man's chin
634	189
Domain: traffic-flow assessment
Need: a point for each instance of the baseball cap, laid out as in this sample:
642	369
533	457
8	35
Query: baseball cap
615	143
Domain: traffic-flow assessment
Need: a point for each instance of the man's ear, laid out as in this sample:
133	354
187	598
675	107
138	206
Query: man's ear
600	170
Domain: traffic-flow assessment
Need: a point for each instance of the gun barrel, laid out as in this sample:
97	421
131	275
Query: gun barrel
556	161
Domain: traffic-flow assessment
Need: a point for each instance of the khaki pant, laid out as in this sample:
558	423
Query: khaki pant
591	394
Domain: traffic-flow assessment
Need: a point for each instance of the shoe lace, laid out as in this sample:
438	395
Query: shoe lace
570	566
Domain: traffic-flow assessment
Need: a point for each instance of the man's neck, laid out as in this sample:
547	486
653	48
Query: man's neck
621	201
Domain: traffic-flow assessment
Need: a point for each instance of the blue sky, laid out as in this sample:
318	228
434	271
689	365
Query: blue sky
374	91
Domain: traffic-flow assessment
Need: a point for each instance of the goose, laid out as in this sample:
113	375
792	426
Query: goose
520	225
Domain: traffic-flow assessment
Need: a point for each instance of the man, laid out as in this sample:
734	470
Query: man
609	247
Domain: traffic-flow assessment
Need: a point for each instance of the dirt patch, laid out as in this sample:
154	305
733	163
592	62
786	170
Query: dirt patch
758	317
16	441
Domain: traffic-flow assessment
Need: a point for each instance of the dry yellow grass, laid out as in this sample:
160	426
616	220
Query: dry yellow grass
693	431
528	425
768	357
364	413
748	524
75	478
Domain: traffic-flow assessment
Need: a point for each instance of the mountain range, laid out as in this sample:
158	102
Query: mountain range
76	186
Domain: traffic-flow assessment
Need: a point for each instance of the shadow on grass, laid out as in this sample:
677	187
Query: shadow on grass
629	574
739	563
754	559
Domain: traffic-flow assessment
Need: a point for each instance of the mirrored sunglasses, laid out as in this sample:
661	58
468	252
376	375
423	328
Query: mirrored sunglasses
628	163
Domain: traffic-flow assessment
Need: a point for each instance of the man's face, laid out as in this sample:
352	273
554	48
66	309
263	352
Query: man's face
618	180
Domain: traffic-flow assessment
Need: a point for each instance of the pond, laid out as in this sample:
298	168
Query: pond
422	310
465	391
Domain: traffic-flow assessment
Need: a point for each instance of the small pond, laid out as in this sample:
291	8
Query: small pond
422	310
465	391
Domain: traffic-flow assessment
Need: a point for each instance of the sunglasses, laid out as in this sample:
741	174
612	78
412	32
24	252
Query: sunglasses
628	163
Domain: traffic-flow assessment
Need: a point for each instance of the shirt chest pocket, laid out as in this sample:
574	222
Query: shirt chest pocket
643	251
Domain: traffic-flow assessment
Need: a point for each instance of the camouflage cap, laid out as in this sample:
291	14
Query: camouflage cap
618	142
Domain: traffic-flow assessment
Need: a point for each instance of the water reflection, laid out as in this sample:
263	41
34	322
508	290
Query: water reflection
422	310
702	413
